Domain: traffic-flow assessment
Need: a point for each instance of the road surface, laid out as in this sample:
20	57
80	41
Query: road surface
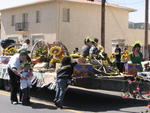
76	101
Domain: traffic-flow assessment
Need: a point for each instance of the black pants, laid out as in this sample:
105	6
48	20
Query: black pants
14	85
25	95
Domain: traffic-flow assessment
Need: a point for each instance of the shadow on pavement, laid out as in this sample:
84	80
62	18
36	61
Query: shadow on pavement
98	102
41	106
89	101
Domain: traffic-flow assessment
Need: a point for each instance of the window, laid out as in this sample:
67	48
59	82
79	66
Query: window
66	15
38	17
12	20
25	17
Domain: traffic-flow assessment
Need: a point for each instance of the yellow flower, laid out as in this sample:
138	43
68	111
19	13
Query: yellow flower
112	55
44	51
54	51
9	51
127	51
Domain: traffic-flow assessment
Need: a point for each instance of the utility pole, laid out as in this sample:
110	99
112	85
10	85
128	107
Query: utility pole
103	23
146	53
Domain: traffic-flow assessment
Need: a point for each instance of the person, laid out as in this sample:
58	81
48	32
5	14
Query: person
118	57
86	47
63	76
126	51
27	53
136	56
76	51
26	83
93	52
26	45
14	74
118	53
99	47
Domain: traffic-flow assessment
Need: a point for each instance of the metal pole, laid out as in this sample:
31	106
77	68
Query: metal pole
103	23
146	53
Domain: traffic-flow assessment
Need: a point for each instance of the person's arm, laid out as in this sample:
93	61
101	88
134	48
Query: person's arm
17	73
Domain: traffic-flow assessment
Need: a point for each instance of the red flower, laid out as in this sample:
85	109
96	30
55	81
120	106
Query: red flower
129	81
148	94
138	89
125	96
134	91
148	106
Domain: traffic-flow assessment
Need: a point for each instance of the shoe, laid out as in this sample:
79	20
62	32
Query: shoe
25	104
58	105
55	100
14	102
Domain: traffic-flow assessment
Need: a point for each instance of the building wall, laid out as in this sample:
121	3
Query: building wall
46	28
136	35
116	26
85	20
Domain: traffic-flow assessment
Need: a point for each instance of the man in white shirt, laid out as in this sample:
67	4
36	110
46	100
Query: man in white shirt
14	74
26	45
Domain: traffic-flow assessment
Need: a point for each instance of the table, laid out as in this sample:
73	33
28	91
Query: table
40	79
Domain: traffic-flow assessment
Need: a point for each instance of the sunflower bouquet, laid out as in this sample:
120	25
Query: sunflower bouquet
112	57
9	51
124	57
41	52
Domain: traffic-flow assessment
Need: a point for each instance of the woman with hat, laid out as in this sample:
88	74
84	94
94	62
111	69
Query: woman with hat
136	56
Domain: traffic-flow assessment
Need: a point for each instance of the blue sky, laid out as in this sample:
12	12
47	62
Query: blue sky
139	15
134	17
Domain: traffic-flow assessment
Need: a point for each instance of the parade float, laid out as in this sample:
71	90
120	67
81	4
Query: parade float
103	75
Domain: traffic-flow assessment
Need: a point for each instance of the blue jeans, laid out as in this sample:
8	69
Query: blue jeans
61	86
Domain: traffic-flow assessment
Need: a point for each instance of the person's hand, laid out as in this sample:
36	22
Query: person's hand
22	77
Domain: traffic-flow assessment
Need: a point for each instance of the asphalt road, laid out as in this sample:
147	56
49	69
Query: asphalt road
76	101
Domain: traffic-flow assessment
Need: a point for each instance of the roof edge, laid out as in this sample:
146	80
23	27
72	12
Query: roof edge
78	1
27	4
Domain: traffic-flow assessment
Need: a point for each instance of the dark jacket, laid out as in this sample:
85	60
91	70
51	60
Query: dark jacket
85	50
66	71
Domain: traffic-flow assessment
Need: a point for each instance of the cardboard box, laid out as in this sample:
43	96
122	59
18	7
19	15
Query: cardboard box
83	70
132	69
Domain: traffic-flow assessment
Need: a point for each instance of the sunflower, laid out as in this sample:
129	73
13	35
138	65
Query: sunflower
126	51
54	51
12	51
9	51
124	56
111	56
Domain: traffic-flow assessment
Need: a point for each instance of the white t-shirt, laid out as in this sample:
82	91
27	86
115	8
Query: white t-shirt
25	46
14	62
